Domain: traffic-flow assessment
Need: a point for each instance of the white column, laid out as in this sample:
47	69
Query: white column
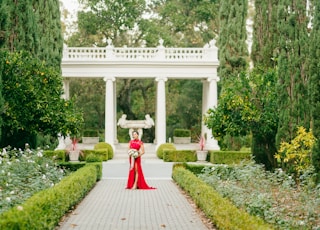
66	90
161	112
109	134
115	112
210	101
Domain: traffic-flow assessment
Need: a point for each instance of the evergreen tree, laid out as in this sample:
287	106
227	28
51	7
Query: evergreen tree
3	22
265	35
233	50
315	84
264	54
292	87
33	26
50	33
21	31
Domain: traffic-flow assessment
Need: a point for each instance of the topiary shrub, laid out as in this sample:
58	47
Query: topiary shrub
90	133
162	147
179	155
182	133
93	158
57	155
104	145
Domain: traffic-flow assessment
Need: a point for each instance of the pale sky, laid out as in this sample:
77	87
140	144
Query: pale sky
71	5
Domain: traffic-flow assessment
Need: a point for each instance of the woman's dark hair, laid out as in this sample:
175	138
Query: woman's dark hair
135	131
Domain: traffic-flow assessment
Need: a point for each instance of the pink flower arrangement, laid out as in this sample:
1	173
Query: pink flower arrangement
202	142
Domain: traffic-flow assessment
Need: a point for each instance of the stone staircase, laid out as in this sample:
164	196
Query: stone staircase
121	151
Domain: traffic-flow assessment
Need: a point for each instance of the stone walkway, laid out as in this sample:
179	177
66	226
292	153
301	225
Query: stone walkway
110	206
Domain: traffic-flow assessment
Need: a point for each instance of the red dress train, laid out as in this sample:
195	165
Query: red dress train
141	184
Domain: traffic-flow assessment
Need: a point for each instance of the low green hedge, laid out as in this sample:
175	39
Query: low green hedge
179	155
181	133
229	157
93	158
104	145
72	166
90	133
44	209
99	153
194	168
219	210
162	147
59	155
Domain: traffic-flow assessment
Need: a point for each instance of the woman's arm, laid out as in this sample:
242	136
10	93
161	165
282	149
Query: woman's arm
141	150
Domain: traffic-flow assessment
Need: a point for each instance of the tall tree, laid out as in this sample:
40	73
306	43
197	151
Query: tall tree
292	87
110	19
264	56
181	23
249	107
21	30
315	84
265	35
233	50
33	26
50	33
3	23
33	103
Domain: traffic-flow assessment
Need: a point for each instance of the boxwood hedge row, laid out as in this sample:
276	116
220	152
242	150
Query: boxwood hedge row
219	210
44	209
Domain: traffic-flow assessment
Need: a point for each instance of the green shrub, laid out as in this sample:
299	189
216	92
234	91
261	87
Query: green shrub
101	153
44	209
164	146
218	209
195	168
58	155
72	166
229	157
179	155
93	158
90	133
104	145
182	133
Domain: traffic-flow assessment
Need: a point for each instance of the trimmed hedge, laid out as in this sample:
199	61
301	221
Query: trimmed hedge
93	158
165	146
104	145
90	133
229	157
219	210
99	153
44	209
58	155
72	166
179	155
181	133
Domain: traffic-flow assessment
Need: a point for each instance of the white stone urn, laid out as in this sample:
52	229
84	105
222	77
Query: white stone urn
202	155
182	140
90	140
74	155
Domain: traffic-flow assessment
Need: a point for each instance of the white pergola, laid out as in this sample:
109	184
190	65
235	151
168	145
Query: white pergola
159	63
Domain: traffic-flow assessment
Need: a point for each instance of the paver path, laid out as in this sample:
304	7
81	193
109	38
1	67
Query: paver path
110	206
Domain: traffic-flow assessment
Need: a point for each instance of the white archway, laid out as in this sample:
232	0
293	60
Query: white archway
159	63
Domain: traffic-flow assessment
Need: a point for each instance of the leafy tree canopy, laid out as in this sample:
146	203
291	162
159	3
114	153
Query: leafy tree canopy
33	104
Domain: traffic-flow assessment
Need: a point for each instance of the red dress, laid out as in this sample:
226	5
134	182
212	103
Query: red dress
141	184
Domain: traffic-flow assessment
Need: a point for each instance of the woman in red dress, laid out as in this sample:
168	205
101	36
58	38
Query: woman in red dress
136	178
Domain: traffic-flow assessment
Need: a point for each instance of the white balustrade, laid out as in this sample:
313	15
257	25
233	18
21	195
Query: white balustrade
160	53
